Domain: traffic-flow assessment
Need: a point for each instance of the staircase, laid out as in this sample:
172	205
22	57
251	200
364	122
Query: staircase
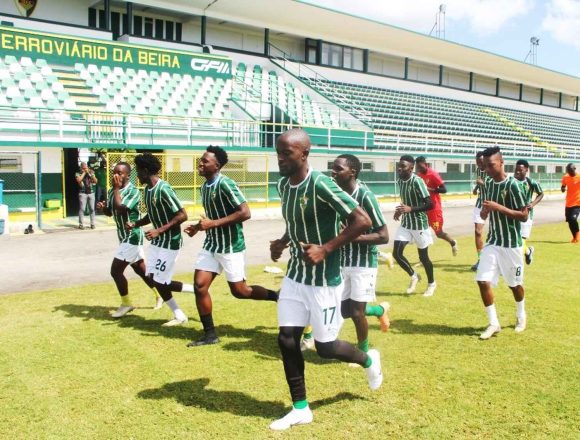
78	90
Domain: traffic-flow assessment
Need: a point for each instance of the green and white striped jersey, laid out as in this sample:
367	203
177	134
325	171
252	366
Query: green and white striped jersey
530	186
162	205
221	198
358	254
504	231
483	176
130	197
313	211
413	191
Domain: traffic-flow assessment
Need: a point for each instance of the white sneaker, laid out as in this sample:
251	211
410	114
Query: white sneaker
158	303
122	311
521	324
455	249
294	417
490	331
174	322
413	284
307	344
374	372
388	258
430	289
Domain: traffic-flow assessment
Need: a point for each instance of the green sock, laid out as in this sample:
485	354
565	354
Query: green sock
368	362
125	300
364	345
478	254
308	335
371	310
301	404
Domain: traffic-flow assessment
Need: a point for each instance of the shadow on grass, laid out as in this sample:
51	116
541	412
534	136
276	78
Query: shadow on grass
463	268
197	394
260	339
549	242
407	326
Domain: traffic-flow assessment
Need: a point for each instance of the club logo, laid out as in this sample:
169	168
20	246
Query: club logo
26	7
303	202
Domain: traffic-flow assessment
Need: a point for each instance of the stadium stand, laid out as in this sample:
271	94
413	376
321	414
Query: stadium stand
401	111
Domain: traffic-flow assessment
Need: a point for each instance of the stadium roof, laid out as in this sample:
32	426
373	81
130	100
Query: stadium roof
297	18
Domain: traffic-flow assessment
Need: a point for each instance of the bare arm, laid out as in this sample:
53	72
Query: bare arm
357	222
380	236
537	200
278	246
521	215
178	219
240	215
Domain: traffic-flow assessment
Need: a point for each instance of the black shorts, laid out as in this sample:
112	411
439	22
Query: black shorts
572	213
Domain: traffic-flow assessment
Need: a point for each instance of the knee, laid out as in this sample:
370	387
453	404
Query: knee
241	291
200	289
287	342
325	349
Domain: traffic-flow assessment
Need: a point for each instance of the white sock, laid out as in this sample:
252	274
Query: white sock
187	288
415	275
434	283
521	309
492	315
172	304
178	313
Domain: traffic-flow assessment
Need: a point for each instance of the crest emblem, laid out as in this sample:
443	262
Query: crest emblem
503	194
26	7
303	202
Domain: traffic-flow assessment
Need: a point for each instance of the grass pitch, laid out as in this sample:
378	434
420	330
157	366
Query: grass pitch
68	370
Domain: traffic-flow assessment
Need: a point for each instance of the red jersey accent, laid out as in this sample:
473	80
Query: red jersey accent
433	180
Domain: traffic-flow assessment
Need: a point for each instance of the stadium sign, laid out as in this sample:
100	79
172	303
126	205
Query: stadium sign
61	49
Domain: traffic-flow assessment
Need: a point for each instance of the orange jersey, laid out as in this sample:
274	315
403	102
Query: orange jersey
572	185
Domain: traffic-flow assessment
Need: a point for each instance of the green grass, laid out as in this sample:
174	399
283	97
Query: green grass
68	370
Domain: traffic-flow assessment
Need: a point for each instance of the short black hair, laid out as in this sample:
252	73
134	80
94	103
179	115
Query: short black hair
219	153
523	162
488	152
353	162
479	154
569	166
407	158
126	165
421	159
149	162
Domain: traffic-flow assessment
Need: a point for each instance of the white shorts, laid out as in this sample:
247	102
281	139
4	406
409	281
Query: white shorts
359	283
232	264
161	263
527	228
422	238
300	305
131	253
496	260
477	216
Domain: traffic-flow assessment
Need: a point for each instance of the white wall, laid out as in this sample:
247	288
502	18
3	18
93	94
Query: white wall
292	46
456	79
386	65
423	72
530	94
483	84
551	98
509	90
57	28
51	159
68	11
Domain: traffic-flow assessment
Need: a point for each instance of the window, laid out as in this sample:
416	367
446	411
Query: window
367	166
311	50
336	55
137	25
178	27
101	19
148	27
92	17
125	24
510	168
559	169
10	164
159	29
116	24
169	30
541	169
453	167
